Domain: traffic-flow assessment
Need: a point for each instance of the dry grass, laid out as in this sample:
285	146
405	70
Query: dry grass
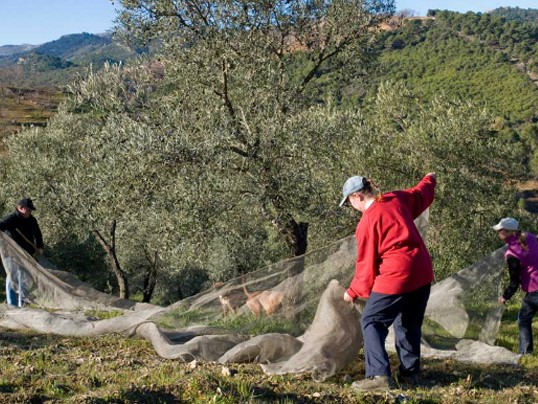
19	107
36	368
113	369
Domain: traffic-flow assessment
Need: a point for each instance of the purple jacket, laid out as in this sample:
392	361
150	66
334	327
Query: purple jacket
528	259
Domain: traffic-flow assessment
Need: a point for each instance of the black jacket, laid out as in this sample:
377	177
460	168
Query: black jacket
28	227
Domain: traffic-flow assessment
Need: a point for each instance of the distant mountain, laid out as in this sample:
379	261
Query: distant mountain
32	76
68	45
56	63
74	49
7	50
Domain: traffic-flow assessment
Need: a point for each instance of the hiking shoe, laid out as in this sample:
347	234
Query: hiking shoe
411	379
372	383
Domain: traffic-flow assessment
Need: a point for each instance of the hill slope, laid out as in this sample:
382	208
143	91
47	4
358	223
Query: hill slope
32	77
485	58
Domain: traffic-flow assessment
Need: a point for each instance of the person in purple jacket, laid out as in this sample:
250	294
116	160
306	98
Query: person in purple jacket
522	259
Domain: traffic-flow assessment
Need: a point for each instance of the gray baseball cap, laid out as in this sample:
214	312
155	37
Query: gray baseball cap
352	185
506	223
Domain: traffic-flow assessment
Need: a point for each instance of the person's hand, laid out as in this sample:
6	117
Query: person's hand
502	300
39	251
432	175
347	298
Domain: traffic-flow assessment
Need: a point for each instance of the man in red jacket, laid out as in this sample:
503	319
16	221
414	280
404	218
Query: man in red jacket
393	272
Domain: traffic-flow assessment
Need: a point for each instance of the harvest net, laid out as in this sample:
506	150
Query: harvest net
289	317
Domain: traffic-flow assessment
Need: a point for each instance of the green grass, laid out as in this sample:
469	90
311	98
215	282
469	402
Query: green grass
103	315
509	332
179	318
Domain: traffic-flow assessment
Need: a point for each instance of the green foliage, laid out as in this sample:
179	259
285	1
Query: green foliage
412	136
82	257
479	57
35	61
466	71
516	14
119	163
248	108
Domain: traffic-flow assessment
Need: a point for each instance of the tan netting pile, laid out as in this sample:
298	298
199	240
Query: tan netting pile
290	317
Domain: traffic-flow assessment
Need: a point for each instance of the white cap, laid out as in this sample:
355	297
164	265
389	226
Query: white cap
507	223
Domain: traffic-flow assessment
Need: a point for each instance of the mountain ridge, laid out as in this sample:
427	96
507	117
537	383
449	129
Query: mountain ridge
7	50
79	49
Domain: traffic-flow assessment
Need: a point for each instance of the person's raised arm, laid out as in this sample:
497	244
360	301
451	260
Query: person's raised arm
421	196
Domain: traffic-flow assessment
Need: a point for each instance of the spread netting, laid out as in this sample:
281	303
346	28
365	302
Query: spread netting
289	317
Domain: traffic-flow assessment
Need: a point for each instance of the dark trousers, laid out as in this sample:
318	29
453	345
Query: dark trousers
529	307
406	312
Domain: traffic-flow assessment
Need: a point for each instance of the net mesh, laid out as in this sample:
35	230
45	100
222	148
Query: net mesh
290	317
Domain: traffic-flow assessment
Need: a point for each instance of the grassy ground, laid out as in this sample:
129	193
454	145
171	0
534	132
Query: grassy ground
112	369
37	368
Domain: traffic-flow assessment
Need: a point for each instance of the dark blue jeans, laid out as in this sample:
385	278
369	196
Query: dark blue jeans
528	310
406	312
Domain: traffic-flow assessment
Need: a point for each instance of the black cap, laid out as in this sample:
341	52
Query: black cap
26	203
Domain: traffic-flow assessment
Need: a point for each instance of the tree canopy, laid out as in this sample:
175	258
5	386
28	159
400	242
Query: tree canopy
228	149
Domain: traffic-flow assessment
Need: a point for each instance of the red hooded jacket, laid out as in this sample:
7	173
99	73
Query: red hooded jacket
392	257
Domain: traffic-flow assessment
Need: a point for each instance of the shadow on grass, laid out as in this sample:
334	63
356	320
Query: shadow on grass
442	373
25	341
7	388
141	395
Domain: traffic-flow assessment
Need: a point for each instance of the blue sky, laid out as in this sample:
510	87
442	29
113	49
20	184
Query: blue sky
422	6
39	21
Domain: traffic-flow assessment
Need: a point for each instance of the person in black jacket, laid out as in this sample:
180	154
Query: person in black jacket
24	229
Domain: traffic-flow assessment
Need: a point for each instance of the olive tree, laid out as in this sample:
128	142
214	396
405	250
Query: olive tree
92	167
227	151
240	98
477	172
114	162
